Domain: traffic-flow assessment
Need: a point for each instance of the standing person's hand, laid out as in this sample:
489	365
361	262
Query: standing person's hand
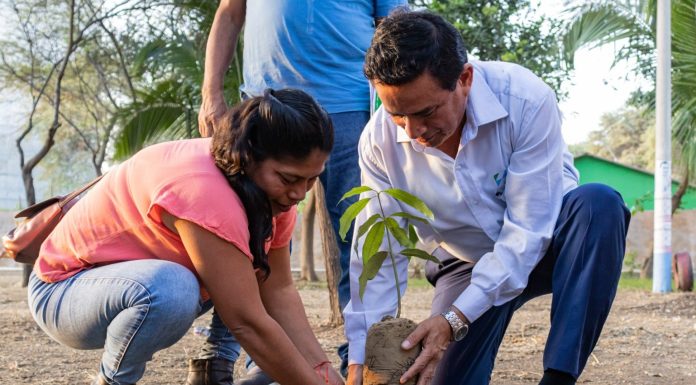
435	334
355	372
212	109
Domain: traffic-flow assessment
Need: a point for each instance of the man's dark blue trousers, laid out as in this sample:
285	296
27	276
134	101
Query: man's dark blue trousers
580	269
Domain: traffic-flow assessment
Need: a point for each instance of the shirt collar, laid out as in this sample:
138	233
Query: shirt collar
483	107
401	136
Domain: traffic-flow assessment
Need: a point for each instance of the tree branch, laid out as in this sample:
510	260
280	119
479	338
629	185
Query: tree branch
121	58
49	142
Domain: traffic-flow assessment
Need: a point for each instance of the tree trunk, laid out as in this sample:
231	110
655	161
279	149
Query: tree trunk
331	254
307	272
679	194
646	271
30	193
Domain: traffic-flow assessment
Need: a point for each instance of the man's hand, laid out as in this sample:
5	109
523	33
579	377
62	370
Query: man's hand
435	334
213	108
355	374
222	43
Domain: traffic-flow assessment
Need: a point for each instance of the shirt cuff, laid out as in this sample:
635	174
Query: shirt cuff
356	334
441	254
473	302
356	326
356	352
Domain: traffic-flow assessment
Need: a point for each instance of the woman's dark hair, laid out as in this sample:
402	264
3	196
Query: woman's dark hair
406	44
278	125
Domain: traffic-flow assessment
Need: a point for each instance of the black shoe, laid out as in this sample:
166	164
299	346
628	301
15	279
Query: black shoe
214	371
256	376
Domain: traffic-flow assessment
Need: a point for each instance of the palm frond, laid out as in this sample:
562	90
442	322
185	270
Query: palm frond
593	25
176	57
144	126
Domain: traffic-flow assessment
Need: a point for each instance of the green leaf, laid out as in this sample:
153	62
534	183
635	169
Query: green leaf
356	191
410	200
144	125
366	226
410	216
412	234
370	269
373	240
398	233
351	212
420	254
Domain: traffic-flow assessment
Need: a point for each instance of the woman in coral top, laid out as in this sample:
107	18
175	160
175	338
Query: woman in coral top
184	226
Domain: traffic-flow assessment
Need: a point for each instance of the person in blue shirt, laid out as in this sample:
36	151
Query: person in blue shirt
315	46
481	144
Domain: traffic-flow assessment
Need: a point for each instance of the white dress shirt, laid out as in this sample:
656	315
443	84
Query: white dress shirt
495	204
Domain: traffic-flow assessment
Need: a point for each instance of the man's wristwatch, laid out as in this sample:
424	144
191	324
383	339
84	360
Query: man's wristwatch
459	327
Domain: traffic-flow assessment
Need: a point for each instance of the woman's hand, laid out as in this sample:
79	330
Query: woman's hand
328	374
262	336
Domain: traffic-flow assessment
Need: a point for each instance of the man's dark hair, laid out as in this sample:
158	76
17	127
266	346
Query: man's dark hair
407	43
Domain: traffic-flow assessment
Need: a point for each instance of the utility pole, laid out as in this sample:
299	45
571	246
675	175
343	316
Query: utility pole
662	250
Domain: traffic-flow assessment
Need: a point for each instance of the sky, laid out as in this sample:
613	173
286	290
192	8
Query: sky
595	88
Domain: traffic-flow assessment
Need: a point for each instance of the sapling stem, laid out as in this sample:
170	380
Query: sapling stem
393	260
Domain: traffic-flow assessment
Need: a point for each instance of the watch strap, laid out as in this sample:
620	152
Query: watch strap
458	326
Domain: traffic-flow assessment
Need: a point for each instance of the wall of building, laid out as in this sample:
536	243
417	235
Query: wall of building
639	245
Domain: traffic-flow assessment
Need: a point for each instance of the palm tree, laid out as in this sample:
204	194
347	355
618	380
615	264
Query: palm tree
167	108
633	24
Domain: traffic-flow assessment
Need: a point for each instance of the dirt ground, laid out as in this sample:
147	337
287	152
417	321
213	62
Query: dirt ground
648	339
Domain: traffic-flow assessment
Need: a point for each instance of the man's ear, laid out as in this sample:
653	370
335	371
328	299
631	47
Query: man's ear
466	77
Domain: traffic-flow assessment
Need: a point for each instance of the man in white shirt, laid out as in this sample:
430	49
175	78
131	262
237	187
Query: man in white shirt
481	144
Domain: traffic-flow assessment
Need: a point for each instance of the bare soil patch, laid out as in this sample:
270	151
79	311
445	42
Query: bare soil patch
649	339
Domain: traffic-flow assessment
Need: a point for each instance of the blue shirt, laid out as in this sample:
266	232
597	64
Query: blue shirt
494	204
315	45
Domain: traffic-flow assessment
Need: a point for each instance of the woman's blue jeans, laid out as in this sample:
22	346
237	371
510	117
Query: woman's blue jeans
130	309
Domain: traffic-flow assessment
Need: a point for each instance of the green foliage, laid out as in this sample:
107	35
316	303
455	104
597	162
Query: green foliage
410	200
370	269
379	225
626	136
351	212
508	31
629	262
638	205
169	71
633	283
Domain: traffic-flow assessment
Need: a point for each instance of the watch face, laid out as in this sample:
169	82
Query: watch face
461	333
